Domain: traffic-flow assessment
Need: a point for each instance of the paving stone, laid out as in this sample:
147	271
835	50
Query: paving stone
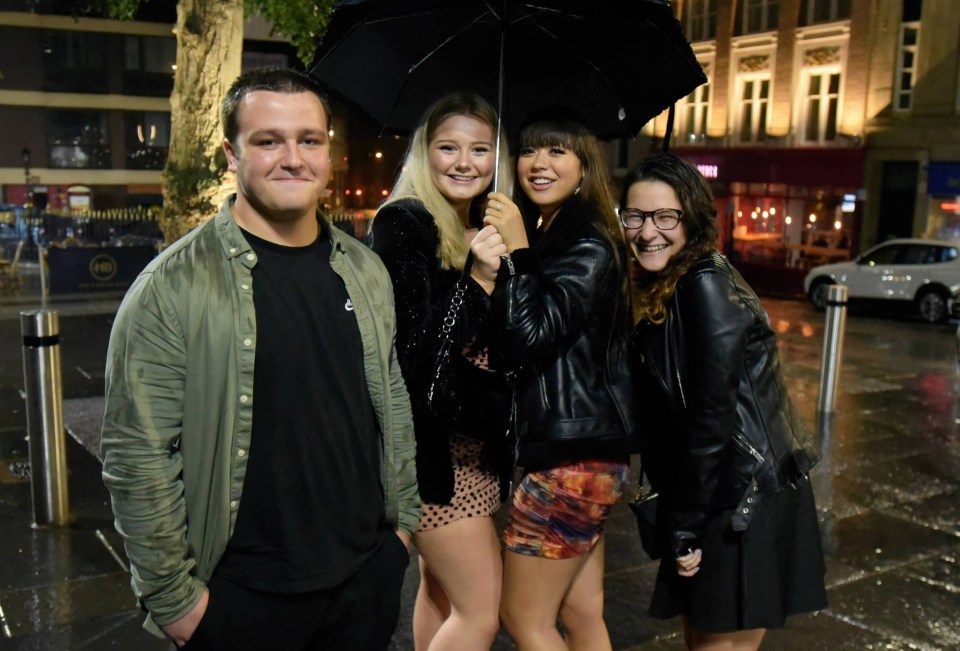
898	605
889	481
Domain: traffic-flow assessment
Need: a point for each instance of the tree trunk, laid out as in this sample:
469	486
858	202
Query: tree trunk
209	46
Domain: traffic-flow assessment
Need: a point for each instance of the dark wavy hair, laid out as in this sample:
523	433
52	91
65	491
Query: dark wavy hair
699	224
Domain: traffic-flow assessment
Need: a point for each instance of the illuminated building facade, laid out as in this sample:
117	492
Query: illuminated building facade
826	126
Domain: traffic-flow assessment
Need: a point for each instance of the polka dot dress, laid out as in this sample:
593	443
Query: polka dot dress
475	493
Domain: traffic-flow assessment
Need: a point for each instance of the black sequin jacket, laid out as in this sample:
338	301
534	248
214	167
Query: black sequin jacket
406	238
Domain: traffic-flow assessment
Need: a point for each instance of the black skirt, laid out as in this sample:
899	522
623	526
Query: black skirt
754	578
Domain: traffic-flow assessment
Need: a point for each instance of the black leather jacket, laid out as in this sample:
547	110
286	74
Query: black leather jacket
556	316
727	434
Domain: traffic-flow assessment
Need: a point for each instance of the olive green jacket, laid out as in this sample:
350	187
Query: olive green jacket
179	406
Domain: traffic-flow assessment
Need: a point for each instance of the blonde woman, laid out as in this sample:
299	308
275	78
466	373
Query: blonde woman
422	233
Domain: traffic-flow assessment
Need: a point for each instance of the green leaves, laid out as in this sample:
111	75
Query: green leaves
301	21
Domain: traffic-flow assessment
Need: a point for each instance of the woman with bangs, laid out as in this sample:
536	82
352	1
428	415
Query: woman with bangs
740	540
422	233
561	316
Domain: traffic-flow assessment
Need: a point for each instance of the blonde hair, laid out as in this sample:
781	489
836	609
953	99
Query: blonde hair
415	180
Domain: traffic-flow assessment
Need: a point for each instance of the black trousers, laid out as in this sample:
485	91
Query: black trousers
360	614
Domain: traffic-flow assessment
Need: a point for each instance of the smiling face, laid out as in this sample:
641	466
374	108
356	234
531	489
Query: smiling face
462	160
549	176
653	247
281	156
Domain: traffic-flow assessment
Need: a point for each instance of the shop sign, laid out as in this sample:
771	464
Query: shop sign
709	171
943	179
96	269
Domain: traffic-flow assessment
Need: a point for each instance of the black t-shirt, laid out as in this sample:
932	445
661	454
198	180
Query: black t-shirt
312	503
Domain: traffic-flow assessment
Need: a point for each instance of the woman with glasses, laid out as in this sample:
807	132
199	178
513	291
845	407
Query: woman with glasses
561	314
725	449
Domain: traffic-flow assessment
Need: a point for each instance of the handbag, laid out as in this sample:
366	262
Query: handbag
461	396
644	506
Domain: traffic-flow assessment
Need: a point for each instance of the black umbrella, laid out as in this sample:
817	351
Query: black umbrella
616	63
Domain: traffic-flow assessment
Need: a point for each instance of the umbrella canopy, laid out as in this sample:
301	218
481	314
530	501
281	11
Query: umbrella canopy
616	63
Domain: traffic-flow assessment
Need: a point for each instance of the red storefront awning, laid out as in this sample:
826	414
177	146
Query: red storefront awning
839	167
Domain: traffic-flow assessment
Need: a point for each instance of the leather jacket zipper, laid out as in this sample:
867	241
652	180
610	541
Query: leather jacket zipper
744	445
683	399
543	388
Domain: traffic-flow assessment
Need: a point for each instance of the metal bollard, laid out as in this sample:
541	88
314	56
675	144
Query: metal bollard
45	429
836	321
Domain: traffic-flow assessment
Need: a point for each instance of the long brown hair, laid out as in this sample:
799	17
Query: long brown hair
559	128
699	224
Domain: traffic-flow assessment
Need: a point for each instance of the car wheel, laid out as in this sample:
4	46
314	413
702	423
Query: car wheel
932	307
818	294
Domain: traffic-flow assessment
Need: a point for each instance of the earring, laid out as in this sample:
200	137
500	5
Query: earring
579	186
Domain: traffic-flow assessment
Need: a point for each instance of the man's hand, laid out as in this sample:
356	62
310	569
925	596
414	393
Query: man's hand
182	630
404	538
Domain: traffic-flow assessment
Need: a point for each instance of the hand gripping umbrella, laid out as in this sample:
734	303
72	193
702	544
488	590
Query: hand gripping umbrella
616	63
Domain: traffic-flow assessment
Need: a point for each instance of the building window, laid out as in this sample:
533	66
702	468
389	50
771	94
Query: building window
78	139
758	16
74	61
754	104
824	11
695	115
822	103
906	66
701	20
147	137
251	59
621	154
148	67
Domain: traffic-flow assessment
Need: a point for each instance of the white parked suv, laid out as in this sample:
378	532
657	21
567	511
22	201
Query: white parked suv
925	273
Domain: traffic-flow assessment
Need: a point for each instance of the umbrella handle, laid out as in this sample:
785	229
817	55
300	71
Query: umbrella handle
669	133
500	102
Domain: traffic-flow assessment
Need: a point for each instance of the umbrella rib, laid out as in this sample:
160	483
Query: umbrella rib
429	54
585	59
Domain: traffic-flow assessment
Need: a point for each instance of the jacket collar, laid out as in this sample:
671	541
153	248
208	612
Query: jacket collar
573	222
235	244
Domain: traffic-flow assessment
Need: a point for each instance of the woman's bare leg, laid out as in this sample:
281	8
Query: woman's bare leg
463	561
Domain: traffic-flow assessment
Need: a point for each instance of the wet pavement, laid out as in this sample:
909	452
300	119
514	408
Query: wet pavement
888	490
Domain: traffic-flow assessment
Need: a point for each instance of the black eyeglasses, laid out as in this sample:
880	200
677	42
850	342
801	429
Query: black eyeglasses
665	219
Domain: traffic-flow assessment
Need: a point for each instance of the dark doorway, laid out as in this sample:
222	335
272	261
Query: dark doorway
898	197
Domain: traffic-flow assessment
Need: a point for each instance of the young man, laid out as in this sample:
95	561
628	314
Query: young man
258	443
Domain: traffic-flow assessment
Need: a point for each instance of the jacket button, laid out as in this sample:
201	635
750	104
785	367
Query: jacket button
745	511
749	500
251	257
233	504
244	399
247	342
241	452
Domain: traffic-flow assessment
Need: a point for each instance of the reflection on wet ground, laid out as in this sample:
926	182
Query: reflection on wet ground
888	490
